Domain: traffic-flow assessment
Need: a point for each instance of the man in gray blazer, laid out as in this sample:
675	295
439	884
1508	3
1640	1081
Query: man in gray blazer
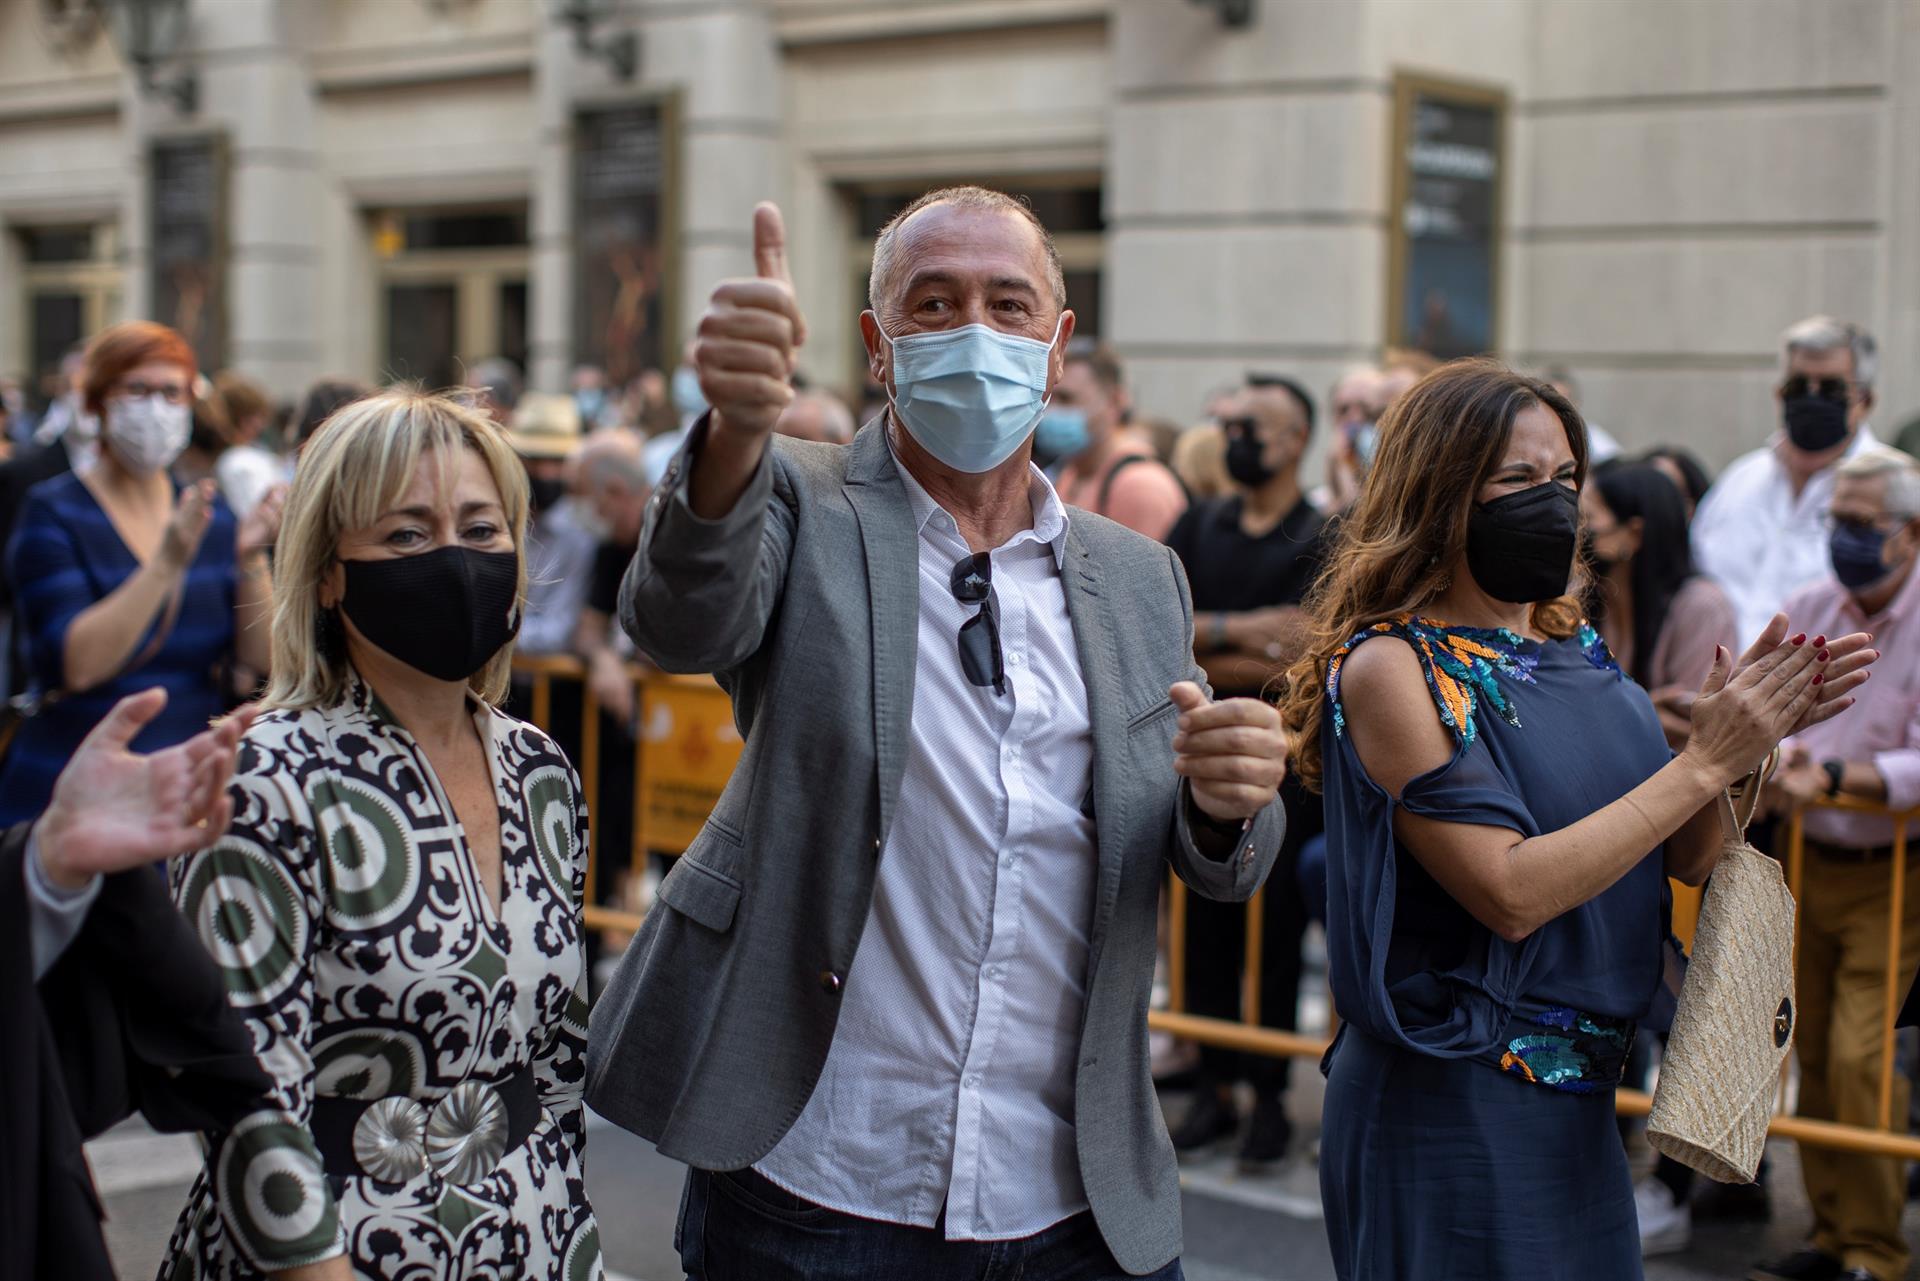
892	1007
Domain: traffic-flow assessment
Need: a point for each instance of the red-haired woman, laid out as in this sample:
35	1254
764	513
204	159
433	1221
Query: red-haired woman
1503	813
123	580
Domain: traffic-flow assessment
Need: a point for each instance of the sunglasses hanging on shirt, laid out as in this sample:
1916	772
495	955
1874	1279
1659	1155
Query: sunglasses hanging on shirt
980	658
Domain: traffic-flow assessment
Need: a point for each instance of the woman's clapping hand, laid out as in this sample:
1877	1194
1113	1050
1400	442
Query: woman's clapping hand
1780	686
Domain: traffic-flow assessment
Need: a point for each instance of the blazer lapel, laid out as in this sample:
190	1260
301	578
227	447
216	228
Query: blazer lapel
892	547
1094	623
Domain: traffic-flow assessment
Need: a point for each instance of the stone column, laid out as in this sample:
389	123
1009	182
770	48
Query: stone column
254	88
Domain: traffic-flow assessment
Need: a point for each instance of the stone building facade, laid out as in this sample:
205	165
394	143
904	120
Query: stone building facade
375	187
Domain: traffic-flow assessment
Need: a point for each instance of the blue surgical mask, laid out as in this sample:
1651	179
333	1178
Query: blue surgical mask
971	395
592	402
1366	439
1859	553
688	400
1062	433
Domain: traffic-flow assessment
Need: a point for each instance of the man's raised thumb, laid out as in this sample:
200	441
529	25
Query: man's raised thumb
770	243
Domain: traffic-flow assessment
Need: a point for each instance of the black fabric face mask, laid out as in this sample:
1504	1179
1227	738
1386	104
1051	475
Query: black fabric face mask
1814	424
443	612
1520	546
545	492
1244	461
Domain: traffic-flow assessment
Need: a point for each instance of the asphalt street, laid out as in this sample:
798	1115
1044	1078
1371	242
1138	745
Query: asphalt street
1238	1228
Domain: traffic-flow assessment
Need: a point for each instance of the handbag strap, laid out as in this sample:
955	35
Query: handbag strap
1741	799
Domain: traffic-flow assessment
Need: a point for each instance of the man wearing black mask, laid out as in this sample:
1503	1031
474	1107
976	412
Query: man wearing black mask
1761	529
1250	557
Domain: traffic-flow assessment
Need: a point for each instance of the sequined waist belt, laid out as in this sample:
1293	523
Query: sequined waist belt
1563	1049
461	1137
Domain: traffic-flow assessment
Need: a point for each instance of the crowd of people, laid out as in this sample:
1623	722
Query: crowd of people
1467	698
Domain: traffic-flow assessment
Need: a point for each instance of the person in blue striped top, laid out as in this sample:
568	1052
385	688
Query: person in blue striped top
124	580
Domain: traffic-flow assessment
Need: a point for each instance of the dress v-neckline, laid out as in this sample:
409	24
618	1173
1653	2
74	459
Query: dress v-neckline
492	909
119	534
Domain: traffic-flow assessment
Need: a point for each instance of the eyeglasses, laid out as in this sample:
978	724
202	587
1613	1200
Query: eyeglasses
1887	524
1838	390
980	658
172	393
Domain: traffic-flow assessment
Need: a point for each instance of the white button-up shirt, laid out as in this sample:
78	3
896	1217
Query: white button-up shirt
1761	540
951	1077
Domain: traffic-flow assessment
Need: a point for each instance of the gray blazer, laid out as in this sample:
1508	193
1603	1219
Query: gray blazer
805	602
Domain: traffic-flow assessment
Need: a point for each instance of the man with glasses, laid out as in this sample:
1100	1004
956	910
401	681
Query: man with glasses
1761	528
893	1008
1871	754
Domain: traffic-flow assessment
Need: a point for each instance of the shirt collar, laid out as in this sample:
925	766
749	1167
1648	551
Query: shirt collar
1049	526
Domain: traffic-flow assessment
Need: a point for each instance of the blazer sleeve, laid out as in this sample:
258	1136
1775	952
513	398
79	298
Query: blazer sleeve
699	593
1236	877
255	898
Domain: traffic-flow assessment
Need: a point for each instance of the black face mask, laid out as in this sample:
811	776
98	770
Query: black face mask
1814	424
443	612
1244	461
545	491
1520	546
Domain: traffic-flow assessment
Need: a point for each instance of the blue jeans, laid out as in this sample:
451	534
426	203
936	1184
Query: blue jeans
741	1226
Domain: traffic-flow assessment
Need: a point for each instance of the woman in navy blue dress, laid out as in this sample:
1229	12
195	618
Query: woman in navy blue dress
124	581
1502	817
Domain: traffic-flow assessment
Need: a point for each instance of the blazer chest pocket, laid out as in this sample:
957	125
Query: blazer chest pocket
1159	715
700	891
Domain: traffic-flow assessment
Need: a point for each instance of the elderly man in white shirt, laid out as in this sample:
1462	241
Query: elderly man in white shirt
1762	528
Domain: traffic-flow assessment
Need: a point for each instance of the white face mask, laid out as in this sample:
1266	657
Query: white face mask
147	434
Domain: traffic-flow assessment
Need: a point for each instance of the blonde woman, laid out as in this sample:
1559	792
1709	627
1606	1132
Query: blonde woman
397	903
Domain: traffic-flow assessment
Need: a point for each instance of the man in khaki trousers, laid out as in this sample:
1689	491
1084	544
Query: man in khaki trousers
1871	752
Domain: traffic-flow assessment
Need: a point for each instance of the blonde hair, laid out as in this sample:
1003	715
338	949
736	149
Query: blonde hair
352	472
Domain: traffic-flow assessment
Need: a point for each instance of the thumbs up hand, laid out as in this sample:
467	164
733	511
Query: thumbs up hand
1233	753
745	343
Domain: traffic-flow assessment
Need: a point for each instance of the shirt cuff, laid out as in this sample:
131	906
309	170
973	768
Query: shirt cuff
54	914
1900	771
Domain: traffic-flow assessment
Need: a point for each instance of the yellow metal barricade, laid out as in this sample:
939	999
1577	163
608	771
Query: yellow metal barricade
688	748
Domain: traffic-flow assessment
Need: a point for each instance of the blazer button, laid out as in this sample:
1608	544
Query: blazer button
831	982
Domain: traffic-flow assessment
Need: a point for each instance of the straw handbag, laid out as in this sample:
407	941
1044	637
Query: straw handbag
1734	1024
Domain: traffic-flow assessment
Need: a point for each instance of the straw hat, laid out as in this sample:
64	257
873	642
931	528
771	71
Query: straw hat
545	426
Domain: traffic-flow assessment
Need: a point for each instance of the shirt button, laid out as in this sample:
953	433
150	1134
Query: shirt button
973	1083
1013	660
830	982
996	974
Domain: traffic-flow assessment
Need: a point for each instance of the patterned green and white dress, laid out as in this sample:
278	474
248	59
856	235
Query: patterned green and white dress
365	954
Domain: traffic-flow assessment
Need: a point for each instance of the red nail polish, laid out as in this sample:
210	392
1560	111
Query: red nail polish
1822	656
1818	679
1819	640
1801	639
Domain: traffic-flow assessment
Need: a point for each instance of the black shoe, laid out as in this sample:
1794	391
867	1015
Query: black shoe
1801	1265
1739	1202
1210	1119
1268	1135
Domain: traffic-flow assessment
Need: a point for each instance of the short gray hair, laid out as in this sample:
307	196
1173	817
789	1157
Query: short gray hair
1901	470
1819	334
880	281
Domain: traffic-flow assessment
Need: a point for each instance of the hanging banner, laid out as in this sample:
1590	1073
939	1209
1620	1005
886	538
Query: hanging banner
1449	170
625	252
187	249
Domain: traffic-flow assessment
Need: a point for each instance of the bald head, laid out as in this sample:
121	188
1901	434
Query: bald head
817	416
954	213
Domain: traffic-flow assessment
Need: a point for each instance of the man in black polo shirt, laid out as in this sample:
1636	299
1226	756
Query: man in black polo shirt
1251	557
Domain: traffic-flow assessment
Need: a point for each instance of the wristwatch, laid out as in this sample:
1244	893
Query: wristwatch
1836	771
1217	632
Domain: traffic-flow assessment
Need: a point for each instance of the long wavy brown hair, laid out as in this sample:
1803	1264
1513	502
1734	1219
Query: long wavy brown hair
1396	548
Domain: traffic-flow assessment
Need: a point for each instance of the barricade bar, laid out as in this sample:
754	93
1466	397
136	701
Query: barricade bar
1248	1037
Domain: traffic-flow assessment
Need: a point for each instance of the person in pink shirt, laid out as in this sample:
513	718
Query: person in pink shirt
1108	467
1871	753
